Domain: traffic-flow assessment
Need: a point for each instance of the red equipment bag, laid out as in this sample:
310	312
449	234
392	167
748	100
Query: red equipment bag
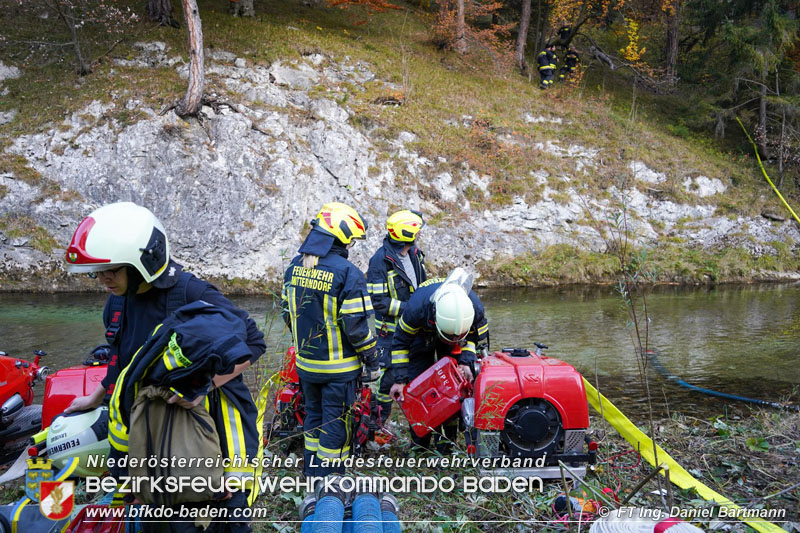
434	396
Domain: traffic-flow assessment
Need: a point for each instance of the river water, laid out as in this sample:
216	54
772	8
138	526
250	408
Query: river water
740	340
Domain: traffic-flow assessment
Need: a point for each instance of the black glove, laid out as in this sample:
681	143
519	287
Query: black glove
372	369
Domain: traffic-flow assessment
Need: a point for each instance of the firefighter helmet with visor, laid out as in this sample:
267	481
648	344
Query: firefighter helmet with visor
116	235
341	221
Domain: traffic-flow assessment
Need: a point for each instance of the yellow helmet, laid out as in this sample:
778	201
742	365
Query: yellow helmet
341	221
404	225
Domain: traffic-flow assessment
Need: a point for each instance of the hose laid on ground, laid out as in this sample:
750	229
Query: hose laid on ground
653	357
763	171
677	474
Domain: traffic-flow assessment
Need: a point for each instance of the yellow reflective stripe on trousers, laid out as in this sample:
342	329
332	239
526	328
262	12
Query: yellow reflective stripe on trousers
332	331
677	474
234	435
333	453
117	432
310	443
328	367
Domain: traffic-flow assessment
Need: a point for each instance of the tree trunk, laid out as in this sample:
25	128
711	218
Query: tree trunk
191	103
780	151
161	11
761	131
461	40
541	25
69	20
522	36
671	56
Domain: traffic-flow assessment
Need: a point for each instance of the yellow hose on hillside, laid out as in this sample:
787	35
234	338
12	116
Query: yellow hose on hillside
760	164
677	474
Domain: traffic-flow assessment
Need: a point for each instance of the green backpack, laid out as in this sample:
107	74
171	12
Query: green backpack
161	436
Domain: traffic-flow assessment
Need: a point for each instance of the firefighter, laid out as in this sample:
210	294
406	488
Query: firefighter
395	271
440	315
563	34
125	247
547	60
571	64
326	305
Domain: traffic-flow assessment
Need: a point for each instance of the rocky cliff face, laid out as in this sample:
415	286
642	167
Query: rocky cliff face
237	188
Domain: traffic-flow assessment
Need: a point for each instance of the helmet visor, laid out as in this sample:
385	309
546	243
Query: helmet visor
452	338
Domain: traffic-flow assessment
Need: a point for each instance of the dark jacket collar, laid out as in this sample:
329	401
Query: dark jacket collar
392	251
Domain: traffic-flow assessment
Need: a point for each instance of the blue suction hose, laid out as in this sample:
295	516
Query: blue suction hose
653	357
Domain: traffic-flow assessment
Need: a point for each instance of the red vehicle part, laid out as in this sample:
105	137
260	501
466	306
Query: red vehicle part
434	396
66	385
506	378
18	378
19	419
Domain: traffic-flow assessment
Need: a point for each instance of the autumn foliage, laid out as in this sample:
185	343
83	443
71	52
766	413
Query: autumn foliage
492	38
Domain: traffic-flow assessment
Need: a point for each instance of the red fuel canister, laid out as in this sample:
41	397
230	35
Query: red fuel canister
434	396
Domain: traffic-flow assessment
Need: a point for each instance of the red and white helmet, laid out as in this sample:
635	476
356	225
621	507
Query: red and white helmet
119	234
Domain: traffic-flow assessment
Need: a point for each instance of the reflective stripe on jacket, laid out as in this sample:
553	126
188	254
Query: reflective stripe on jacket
389	286
327	308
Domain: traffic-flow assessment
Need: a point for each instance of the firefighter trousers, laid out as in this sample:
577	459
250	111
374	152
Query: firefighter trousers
548	76
327	425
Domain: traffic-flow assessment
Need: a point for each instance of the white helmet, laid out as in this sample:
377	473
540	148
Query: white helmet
80	435
454	312
119	234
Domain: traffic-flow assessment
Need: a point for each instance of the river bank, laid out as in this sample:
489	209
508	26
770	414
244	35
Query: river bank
530	272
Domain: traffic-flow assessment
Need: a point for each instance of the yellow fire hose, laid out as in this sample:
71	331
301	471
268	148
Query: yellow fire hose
678	475
763	171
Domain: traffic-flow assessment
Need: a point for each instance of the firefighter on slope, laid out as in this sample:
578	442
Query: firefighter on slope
441	314
571	61
124	246
547	60
395	271
326	305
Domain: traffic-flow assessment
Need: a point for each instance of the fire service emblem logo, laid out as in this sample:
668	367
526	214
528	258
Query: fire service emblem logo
73	257
57	499
38	470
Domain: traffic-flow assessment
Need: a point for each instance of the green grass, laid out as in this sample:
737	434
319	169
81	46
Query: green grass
15	226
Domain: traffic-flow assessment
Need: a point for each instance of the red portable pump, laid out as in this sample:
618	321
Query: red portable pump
19	419
522	405
528	405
